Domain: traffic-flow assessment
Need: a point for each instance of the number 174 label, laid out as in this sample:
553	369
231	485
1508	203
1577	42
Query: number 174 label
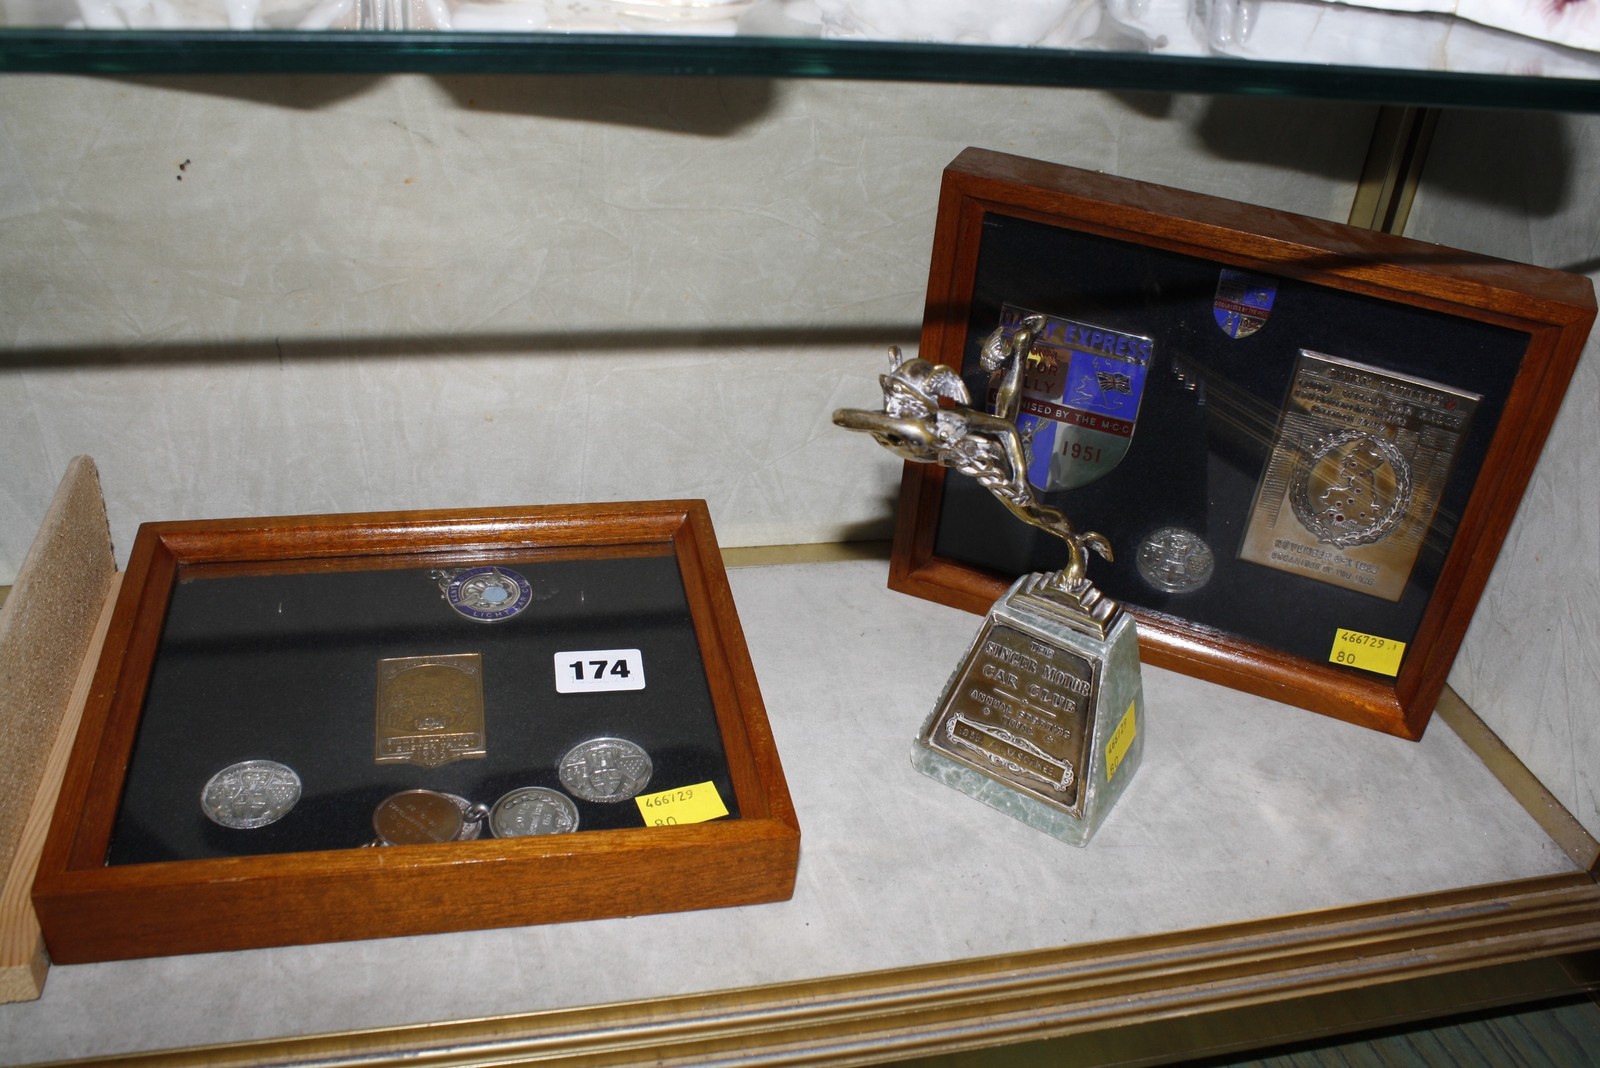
599	670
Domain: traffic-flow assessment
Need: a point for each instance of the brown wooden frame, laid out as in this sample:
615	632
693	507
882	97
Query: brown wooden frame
1553	308
91	911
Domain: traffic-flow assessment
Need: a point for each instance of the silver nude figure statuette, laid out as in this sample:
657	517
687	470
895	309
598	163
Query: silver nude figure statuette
927	417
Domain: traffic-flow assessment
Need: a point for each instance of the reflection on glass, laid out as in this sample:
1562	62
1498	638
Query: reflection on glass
1521	40
300	707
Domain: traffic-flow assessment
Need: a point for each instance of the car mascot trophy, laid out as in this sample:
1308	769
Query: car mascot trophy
1044	719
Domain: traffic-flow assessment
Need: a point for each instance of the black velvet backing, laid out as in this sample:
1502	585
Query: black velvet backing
284	667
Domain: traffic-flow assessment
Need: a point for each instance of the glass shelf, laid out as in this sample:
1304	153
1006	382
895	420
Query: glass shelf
1305	48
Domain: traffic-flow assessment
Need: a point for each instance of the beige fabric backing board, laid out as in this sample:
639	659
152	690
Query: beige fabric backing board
49	619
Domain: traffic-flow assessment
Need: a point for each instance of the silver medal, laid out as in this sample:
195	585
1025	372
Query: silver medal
250	794
1175	560
484	594
533	810
605	769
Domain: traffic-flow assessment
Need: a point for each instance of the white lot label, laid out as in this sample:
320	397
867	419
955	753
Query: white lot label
599	670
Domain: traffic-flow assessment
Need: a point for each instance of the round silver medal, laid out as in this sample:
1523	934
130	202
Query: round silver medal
533	810
1175	560
488	594
605	769
250	794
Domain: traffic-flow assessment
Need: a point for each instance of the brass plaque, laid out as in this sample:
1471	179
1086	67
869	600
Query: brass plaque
1020	712
430	709
1359	461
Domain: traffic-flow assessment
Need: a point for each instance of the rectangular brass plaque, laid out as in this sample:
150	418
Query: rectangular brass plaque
430	709
1359	462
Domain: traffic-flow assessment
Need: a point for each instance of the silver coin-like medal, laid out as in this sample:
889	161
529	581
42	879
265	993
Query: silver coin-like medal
533	810
1175	560
250	794
419	817
605	769
487	594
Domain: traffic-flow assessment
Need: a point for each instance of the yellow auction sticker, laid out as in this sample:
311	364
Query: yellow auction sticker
1367	651
685	804
1121	739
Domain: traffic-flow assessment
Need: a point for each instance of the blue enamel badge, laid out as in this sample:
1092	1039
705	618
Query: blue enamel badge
488	594
1080	398
1243	303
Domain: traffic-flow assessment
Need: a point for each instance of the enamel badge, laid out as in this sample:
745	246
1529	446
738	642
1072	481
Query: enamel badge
1080	398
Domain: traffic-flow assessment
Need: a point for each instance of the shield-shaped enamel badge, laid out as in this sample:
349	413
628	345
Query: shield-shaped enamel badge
1080	397
1243	303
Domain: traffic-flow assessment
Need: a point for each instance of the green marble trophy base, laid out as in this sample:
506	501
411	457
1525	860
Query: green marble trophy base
1044	719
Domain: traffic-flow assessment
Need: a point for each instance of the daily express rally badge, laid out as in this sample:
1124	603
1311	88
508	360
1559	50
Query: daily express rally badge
1080	397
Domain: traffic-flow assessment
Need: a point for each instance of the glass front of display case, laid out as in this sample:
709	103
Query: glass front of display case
1283	460
1475	54
327	708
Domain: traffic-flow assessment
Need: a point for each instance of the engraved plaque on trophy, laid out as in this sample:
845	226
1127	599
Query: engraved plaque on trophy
1044	718
1360	459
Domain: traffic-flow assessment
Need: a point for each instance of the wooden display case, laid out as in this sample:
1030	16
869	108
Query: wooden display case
198	663
1235	301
